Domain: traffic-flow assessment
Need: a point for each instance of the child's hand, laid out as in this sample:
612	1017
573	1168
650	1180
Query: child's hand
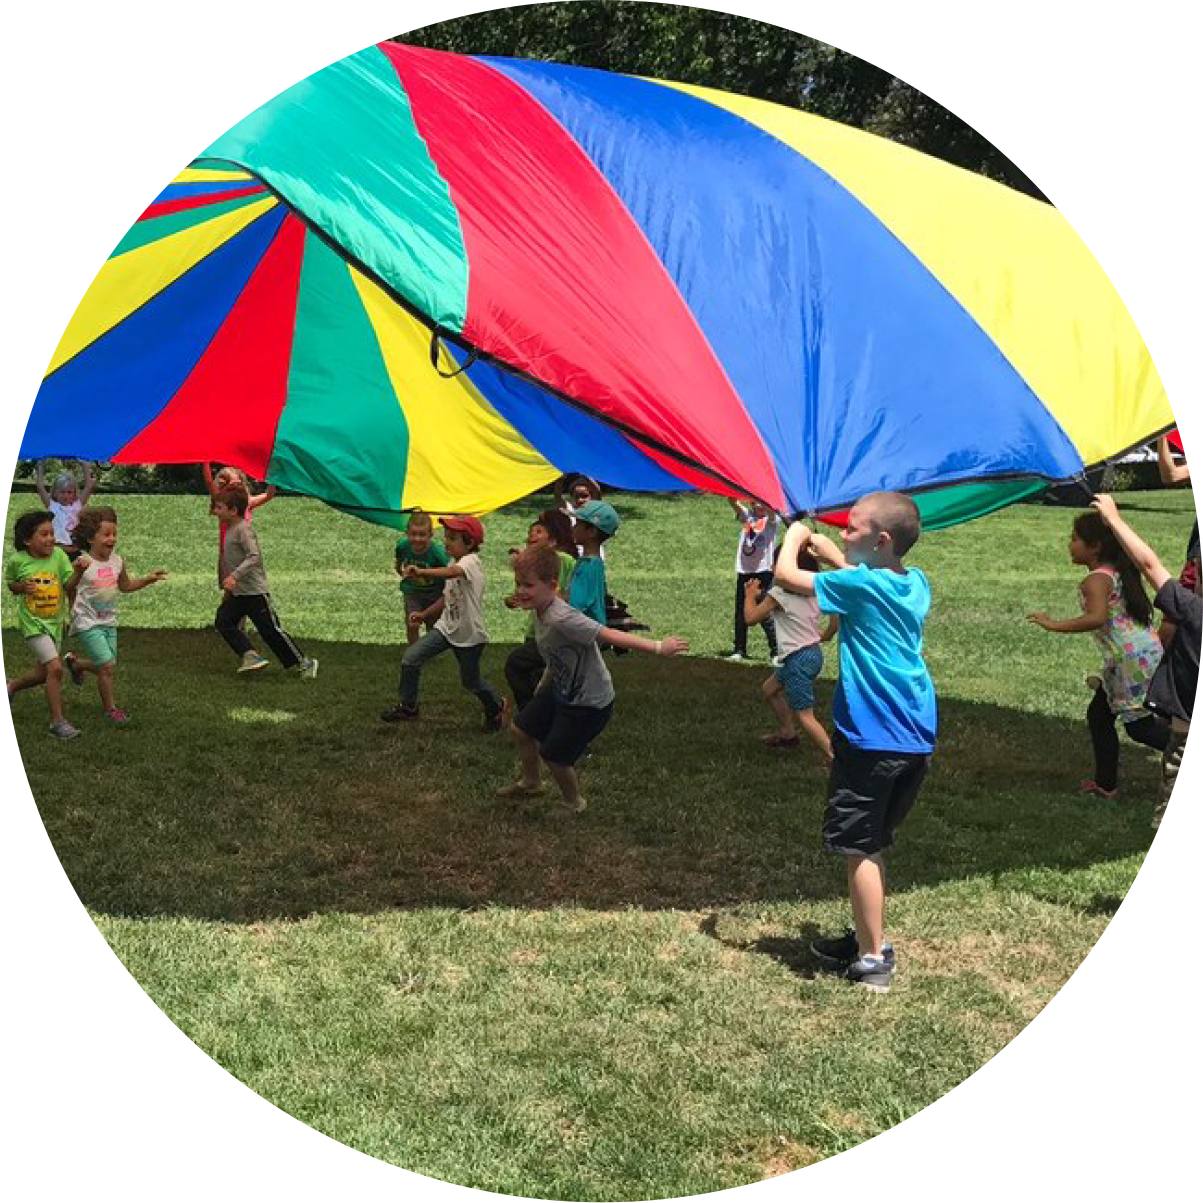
1041	620
510	601
1106	507
672	645
416	619
751	587
25	586
153	578
410	572
399	567
83	562
229	583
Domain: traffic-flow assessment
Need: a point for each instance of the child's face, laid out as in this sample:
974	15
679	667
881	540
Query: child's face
586	534
538	535
66	494
863	538
581	494
531	593
760	509
419	537
41	542
104	540
224	514
1080	552
458	544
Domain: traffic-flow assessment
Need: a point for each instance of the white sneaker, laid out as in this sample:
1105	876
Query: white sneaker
735	657
252	662
308	668
64	730
776	661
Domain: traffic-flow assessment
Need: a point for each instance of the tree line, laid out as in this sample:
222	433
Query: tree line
736	54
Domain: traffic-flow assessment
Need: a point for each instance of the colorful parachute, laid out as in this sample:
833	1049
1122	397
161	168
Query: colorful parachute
659	285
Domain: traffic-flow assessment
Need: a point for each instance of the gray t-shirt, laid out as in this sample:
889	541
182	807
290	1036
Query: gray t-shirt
240	558
567	641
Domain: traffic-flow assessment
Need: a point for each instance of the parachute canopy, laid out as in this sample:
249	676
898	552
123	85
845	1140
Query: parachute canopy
659	285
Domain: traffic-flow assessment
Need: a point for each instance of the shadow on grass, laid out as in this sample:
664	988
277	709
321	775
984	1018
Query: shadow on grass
793	953
245	799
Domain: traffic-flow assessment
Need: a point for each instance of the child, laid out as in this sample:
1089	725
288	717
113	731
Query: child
581	491
596	521
64	501
524	665
1175	681
460	626
790	690
419	593
884	708
753	561
1117	613
38	574
246	592
563	719
98	578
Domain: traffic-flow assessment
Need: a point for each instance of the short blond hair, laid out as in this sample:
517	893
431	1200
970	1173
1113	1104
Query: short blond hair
543	563
897	515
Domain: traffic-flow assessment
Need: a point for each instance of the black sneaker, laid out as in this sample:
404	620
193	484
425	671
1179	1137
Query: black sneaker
399	713
871	973
841	951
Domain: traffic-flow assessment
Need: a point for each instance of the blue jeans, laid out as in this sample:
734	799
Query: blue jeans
435	643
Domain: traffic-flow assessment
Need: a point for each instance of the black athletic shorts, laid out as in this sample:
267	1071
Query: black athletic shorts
868	796
564	732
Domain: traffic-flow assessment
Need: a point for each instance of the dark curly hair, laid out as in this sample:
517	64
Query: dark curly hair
89	523
26	524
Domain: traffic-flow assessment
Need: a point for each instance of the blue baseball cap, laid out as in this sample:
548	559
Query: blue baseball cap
600	514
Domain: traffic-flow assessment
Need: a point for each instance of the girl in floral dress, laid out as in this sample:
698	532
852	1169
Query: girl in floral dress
1117	612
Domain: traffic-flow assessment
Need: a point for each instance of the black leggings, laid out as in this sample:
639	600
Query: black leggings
1151	731
741	627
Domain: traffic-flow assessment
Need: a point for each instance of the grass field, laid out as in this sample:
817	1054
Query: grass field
615	1006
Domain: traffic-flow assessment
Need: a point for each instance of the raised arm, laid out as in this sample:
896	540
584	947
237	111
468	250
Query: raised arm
787	572
262	498
1139	552
40	482
757	609
1170	472
207	472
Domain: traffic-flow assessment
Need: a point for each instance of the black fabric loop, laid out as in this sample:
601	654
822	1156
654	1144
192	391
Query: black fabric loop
435	336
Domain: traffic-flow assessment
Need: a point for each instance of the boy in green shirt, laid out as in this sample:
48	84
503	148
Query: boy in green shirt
40	574
419	593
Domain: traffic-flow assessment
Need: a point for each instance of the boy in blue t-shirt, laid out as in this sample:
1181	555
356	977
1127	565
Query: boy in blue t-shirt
884	708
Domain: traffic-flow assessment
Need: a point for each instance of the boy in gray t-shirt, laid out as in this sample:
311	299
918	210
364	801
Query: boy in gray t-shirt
575	699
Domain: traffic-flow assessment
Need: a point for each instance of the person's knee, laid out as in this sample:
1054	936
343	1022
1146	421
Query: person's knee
105	671
53	671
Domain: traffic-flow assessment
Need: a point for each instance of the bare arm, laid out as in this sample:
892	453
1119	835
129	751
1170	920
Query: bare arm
669	646
827	550
126	585
787	573
832	629
1170	472
207	472
430	614
262	498
40	482
438	574
756	610
1139	552
1096	588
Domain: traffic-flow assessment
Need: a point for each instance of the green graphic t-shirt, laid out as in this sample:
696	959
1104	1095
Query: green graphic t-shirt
42	611
435	556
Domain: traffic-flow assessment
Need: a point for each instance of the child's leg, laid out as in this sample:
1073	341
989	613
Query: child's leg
570	787
1171	763
432	644
229	619
768	626
54	690
261	612
815	731
1151	731
27	680
775	696
468	659
523	668
528	756
1105	741
741	627
867	893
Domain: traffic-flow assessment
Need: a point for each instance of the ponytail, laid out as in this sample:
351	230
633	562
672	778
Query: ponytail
1094	532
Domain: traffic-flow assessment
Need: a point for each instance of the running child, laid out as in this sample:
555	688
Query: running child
459	626
524	665
100	575
246	593
595	522
65	502
790	689
884	709
419	593
37	574
1176	679
1116	611
562	719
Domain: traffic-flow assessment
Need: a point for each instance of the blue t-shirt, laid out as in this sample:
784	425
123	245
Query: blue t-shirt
587	589
885	700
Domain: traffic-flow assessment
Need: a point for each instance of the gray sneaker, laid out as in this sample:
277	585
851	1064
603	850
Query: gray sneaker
64	730
871	973
252	662
308	668
841	951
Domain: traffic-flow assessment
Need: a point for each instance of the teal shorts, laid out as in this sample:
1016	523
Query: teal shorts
99	644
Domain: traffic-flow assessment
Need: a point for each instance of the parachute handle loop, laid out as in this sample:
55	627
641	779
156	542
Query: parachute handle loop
437	334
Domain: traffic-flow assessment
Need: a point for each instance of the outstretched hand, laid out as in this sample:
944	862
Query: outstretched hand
1041	620
672	645
153	578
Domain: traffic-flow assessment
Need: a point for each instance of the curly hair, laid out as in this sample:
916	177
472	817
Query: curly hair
26	524
89	523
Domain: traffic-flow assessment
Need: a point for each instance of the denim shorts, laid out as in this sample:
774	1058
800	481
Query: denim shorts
797	674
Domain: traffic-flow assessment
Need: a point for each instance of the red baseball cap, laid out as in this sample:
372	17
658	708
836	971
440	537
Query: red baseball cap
466	525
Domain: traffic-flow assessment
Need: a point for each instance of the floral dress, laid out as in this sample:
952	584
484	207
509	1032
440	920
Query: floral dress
1131	653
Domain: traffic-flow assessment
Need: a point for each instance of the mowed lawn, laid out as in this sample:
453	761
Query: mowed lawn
615	1006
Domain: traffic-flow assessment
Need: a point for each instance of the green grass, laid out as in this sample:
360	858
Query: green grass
616	1006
